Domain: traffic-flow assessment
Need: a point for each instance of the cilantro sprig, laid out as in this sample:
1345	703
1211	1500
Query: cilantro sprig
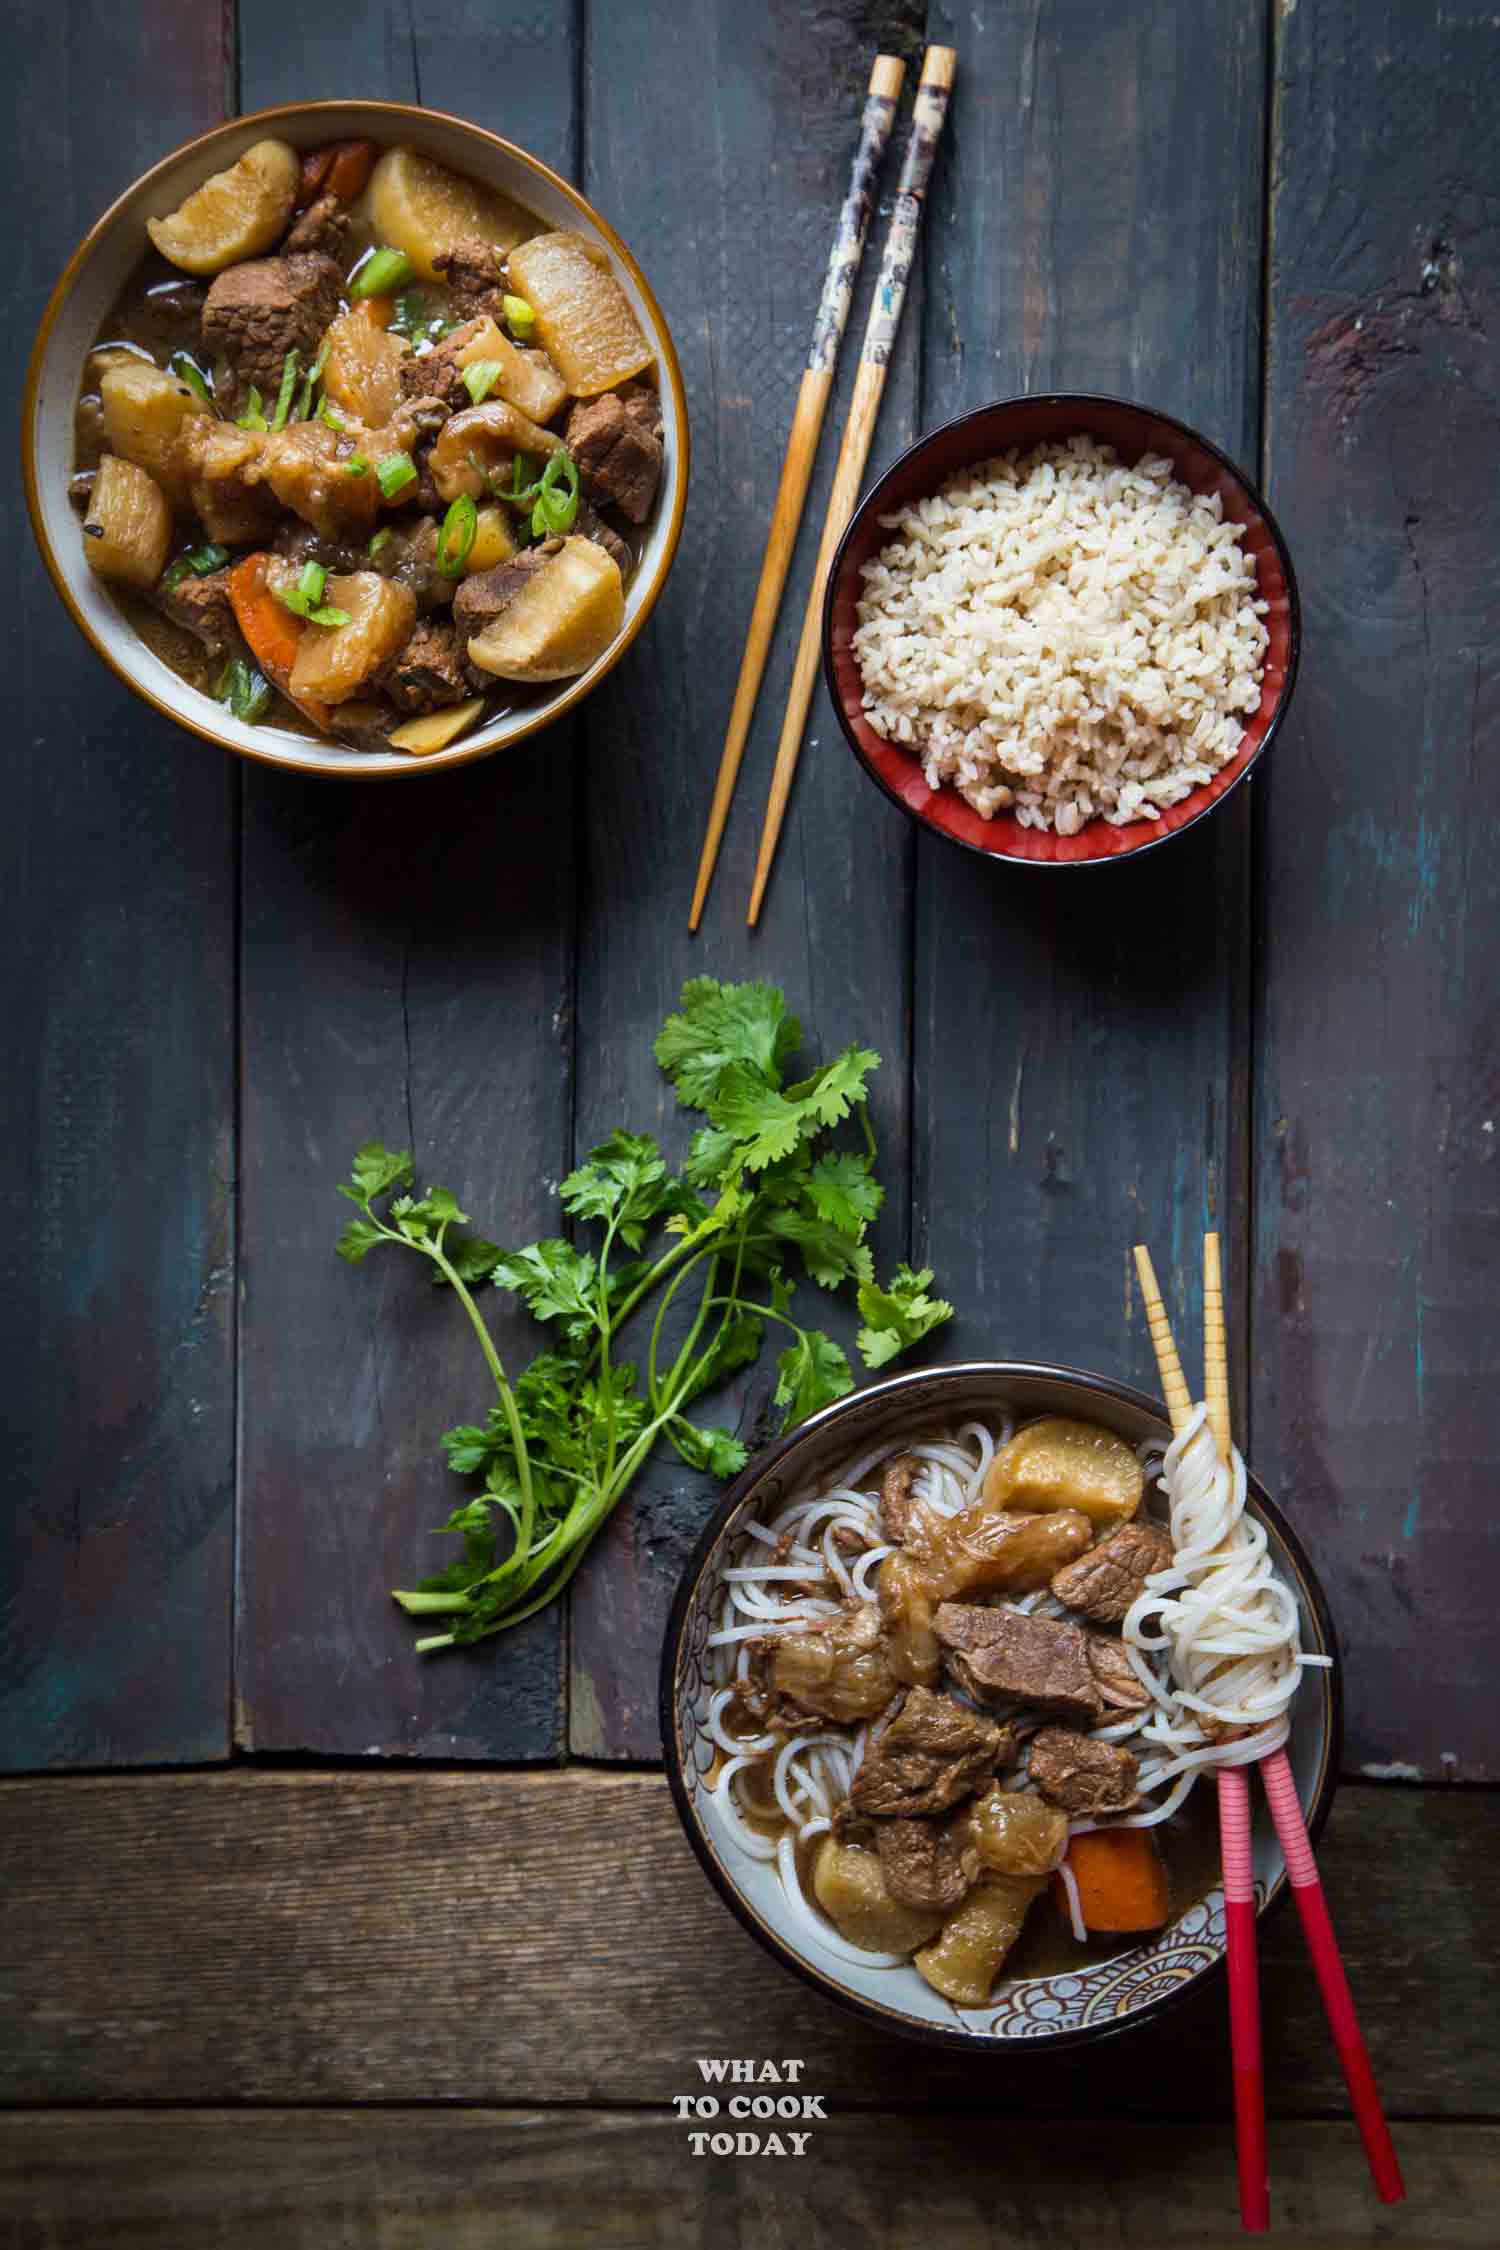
766	1194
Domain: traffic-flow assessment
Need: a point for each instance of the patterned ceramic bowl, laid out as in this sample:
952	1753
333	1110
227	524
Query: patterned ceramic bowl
1048	419
1070	2005
93	278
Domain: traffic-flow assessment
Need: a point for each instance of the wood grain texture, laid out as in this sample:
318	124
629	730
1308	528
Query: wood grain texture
450	1936
117	857
733	234
1079	1064
538	2180
407	964
1378	1033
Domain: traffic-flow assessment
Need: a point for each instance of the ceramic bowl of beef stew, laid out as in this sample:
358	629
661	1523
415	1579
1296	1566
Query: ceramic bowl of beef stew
902	1728
355	440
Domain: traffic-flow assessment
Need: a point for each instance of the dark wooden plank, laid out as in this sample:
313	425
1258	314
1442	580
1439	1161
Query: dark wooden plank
734	233
1377	1082
1080	1038
146	1956
407	957
117	1099
544	2180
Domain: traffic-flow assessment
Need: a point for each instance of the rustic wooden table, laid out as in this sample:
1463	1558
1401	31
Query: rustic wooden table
308	1943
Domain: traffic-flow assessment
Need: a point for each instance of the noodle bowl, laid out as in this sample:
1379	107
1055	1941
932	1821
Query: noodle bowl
806	1551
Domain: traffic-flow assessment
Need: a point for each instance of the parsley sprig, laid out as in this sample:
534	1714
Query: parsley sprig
765	1190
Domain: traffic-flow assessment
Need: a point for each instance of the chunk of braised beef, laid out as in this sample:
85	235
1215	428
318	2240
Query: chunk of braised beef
896	1502
933	1753
926	1862
364	725
437	374
428	670
591	525
201	606
258	311
1114	1675
618	451
476	283
323	227
1104	1582
1000	1655
1081	1774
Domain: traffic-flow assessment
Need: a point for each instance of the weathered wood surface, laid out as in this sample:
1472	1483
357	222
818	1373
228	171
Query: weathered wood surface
1079	1036
541	2180
1377	1098
116	1095
730	201
390	1937
406	976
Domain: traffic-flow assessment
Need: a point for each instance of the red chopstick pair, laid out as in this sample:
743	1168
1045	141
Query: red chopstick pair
1244	1993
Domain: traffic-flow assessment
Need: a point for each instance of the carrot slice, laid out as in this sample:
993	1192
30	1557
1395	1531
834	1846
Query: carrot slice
271	632
1122	1884
353	162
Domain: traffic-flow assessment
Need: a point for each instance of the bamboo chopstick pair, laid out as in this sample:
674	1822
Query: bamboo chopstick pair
807	424
1291	1830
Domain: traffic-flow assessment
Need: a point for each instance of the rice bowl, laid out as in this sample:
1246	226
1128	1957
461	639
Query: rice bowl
1062	637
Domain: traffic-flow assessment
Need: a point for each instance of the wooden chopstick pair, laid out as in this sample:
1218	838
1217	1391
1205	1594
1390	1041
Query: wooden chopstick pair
807	424
1291	1830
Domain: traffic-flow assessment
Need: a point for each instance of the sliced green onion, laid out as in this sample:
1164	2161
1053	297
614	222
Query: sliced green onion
254	416
409	315
187	370
460	530
247	692
520	319
314	377
328	616
329	413
395	473
383	271
303	597
288	385
556	507
381	539
356	466
200	561
480	378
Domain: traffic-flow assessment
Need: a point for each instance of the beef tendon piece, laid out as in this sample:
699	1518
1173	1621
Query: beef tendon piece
1105	1581
906	1610
1001	1656
619	453
258	312
1115	1677
932	1754
982	1550
1060	1463
334	662
965	1960
849	1884
1013	1832
1083	1776
840	1668
927	1863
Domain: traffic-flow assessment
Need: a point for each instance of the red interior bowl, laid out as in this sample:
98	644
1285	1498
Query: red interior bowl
1026	422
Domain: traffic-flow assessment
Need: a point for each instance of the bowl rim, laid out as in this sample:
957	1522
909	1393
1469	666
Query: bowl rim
1082	399
291	760
952	2038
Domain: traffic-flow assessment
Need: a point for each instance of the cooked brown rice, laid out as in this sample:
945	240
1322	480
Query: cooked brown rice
1061	636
